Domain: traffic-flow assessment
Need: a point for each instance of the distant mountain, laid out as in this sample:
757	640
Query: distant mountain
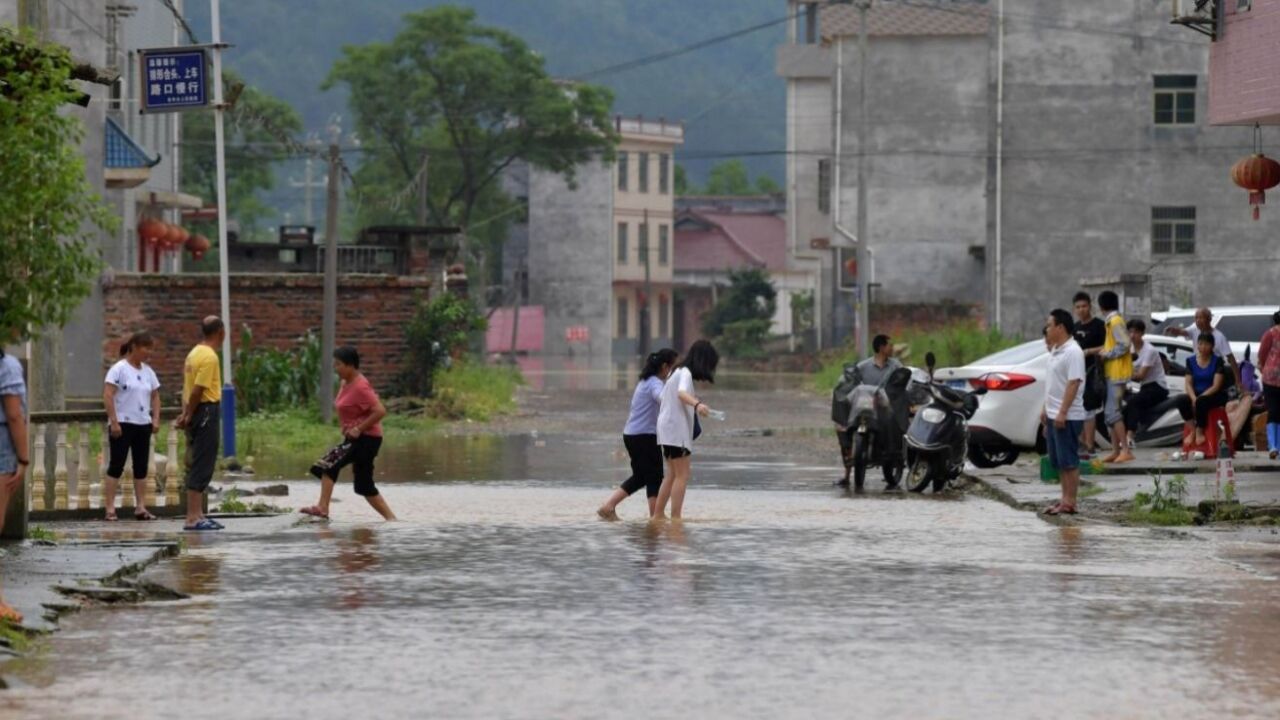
727	94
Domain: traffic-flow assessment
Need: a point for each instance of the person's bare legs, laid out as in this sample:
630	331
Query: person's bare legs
140	497
1070	485
1088	438
653	505
608	510
326	493
679	482
664	493
1120	435
109	485
377	503
194	499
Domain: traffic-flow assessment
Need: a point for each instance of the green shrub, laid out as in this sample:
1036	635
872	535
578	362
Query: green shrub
439	331
744	338
1165	505
750	296
270	379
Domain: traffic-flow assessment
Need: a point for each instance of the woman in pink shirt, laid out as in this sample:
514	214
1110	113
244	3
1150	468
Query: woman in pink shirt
1269	363
360	414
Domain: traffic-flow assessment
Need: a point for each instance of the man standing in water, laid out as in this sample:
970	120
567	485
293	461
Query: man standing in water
201	406
1063	414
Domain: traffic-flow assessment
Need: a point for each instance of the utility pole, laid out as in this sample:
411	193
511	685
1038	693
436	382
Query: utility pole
517	287
330	320
644	306
224	272
308	183
863	299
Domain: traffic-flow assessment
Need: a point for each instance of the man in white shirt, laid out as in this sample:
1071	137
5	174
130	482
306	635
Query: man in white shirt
1221	346
1063	415
1148	370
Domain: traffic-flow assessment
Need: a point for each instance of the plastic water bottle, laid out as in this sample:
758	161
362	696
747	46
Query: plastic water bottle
716	414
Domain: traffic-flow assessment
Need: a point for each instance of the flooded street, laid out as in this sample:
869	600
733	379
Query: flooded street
500	595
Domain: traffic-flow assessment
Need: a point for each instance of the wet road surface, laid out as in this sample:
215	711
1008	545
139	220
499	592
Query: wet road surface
500	595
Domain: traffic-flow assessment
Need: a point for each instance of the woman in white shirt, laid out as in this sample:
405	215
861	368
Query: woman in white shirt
677	408
131	395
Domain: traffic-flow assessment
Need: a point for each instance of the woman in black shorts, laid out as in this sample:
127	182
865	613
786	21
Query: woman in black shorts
640	436
131	395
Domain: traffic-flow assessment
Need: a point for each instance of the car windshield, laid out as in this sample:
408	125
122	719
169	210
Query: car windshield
1244	328
1016	355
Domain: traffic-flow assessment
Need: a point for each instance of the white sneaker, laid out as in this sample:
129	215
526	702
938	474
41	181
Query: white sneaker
1197	456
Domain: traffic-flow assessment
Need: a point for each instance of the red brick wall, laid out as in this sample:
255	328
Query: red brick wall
1244	67
372	311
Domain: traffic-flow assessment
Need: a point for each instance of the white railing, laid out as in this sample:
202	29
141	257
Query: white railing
658	128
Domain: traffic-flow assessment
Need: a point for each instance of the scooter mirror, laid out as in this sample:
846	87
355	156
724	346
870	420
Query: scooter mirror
930	361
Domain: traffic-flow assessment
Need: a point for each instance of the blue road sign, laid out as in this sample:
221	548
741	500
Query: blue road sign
174	79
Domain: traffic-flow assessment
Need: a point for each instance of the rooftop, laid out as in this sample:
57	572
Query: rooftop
715	241
907	18
659	129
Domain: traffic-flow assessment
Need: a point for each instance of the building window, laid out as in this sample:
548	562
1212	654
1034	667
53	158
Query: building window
810	23
623	170
643	242
622	243
824	186
643	183
1175	99
1244	5
1173	230
664	173
663	239
664	324
623	316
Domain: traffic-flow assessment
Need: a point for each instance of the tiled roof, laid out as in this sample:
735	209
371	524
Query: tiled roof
122	152
710	241
905	18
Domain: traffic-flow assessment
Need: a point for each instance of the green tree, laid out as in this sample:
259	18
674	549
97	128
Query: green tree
48	212
766	185
682	186
252	151
474	99
439	330
743	314
728	178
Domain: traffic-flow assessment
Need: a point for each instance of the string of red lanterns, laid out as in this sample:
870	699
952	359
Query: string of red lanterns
169	237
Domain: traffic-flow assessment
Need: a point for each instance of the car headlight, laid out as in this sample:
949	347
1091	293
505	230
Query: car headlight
933	415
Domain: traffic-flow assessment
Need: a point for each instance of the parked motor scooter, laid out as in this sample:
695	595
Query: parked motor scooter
938	438
879	416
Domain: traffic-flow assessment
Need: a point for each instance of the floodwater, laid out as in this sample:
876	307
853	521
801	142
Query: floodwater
500	595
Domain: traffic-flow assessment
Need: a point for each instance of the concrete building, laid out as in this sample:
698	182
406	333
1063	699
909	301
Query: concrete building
1244	63
1011	162
643	219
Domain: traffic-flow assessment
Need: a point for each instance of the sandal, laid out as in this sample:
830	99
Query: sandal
110	517
1061	509
143	516
202	525
315	511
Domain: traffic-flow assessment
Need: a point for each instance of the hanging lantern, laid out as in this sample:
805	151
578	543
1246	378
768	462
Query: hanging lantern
198	245
1257	174
151	230
175	236
851	267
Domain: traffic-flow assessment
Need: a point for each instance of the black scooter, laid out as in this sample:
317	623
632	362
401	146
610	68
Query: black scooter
879	416
938	438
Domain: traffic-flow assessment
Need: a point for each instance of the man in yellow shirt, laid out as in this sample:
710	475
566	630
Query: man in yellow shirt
201	406
1117	365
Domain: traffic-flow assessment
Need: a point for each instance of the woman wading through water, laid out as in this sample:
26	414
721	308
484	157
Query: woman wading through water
360	413
131	395
677	420
640	436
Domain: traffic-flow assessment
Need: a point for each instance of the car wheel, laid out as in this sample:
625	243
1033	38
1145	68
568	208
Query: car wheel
987	457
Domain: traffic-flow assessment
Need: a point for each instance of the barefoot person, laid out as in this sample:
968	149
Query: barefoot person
1063	414
13	446
676	423
201	407
640	436
360	414
131	395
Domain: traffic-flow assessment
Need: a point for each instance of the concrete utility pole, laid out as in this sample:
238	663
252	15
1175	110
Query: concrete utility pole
308	183
330	321
224	271
863	299
648	288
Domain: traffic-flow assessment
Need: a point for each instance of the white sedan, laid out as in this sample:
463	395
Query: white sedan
1008	417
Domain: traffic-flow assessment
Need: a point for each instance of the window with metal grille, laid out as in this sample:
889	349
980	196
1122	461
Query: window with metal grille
1175	99
622	243
663	239
824	186
623	316
623	170
1244	5
1173	230
664	174
643	184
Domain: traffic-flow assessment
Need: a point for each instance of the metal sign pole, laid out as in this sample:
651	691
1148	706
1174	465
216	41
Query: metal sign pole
228	386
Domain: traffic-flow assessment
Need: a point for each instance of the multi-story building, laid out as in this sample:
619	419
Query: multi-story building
1244	62
1012	160
643	222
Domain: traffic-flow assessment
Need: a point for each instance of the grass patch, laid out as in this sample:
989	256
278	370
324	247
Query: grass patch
954	345
14	637
1165	505
232	504
1090	490
35	532
466	391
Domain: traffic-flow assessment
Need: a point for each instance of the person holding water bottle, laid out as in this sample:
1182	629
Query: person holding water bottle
677	422
640	436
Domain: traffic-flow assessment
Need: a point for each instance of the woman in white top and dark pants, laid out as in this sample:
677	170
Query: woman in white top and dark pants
676	422
640	436
131	395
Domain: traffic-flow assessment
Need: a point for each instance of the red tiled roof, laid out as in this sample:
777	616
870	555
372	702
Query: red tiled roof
731	240
907	18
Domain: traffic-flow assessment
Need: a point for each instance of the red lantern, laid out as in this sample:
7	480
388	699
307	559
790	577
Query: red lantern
151	230
1257	174
198	244
851	267
175	236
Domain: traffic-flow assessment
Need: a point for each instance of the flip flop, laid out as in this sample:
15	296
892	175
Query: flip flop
1061	509
201	526
143	516
110	518
314	511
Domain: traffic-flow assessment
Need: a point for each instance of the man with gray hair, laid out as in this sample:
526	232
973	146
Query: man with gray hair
1204	324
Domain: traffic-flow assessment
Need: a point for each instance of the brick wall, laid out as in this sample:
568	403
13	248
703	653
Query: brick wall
1244	67
372	311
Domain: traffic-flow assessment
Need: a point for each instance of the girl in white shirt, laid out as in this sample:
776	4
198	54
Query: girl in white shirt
131	395
677	408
